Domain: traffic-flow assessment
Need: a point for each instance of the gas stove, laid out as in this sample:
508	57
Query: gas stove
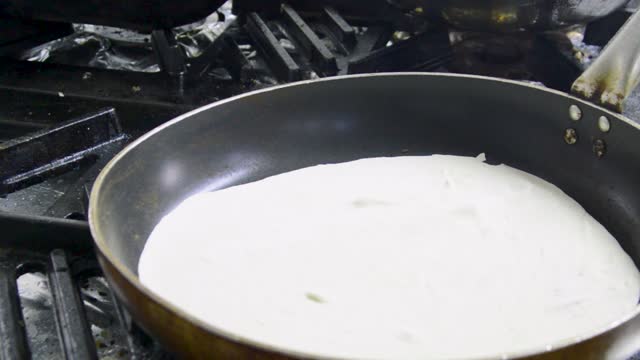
72	96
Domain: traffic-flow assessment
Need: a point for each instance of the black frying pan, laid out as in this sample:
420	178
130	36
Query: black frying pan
555	136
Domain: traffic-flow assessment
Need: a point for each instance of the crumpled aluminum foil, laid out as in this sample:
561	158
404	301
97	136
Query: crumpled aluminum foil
119	49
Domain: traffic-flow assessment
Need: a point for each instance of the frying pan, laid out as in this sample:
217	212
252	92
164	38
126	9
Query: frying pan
589	152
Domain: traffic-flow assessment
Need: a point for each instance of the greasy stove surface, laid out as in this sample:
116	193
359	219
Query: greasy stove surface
81	98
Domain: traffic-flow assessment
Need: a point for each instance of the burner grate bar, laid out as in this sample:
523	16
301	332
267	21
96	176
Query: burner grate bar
43	234
13	337
70	316
232	56
320	56
345	33
170	55
282	64
33	157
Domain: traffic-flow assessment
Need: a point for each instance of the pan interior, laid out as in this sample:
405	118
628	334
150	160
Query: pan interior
345	119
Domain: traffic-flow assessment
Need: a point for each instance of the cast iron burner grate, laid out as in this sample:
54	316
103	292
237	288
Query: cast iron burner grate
55	303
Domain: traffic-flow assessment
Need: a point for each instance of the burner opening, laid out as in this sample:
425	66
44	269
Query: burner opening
110	338
36	303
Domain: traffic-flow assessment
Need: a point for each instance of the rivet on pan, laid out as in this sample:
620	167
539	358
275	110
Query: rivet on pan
575	113
604	124
570	136
599	147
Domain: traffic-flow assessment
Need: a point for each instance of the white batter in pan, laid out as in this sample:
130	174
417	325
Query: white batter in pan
404	258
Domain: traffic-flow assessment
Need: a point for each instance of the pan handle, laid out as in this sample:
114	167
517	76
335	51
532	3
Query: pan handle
616	72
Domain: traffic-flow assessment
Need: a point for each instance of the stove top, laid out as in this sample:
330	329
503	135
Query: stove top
72	96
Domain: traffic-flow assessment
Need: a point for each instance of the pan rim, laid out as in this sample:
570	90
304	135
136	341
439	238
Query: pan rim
134	281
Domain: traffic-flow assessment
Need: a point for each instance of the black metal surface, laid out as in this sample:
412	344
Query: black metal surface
172	58
341	29
73	327
426	52
152	91
138	111
323	45
13	338
373	38
322	59
360	12
17	35
266	8
131	14
41	235
32	158
284	67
